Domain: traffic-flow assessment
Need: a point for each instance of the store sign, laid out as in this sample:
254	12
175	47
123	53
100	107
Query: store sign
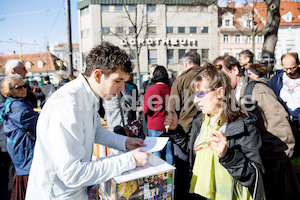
159	41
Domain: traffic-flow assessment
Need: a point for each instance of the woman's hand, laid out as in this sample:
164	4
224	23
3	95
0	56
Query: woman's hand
218	143
133	143
171	121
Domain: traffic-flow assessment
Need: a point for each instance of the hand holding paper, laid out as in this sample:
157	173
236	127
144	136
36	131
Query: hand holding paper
154	143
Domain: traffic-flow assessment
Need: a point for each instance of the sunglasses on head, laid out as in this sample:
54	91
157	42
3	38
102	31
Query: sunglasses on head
20	87
201	94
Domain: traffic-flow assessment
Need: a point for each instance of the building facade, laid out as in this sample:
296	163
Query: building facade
240	29
289	29
61	51
159	33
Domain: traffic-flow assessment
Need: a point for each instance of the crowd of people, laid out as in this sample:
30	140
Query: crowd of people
233	133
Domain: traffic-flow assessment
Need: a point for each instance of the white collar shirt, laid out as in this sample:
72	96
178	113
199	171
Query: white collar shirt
67	128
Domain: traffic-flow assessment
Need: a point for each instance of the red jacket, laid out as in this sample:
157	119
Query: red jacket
155	101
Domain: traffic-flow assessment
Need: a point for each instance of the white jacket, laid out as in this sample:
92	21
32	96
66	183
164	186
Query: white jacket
68	126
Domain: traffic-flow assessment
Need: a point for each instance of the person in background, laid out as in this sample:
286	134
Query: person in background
154	107
69	125
278	141
225	153
19	127
15	66
286	86
48	86
60	78
171	76
145	85
7	169
133	89
258	72
246	59
186	111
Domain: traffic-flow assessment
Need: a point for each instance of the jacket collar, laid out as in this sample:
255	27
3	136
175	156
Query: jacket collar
93	99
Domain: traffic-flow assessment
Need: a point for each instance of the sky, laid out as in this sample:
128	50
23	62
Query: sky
38	22
35	22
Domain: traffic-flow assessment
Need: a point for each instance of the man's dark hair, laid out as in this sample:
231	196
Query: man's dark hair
192	57
294	55
46	78
107	58
247	53
160	74
229	62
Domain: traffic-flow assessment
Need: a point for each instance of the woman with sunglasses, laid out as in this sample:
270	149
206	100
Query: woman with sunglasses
225	145
19	123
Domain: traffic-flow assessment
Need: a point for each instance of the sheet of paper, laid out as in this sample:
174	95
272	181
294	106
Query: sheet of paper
154	143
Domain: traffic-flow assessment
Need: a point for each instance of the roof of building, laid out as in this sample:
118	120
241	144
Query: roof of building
49	60
260	12
84	3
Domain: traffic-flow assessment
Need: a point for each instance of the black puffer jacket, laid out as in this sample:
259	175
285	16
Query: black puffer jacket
243	142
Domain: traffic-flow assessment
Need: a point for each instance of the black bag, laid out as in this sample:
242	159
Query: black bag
133	129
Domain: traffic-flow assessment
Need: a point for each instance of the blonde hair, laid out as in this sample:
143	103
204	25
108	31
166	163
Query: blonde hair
8	83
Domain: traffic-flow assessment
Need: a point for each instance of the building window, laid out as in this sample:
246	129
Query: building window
204	29
119	30
84	11
132	56
181	29
181	53
132	7
85	33
227	22
28	64
118	7
152	56
105	30
193	50
259	54
40	64
249	23
225	38
204	54
248	39
260	39
151	30
237	39
131	30
169	29
170	56
151	8
171	8
105	7
193	29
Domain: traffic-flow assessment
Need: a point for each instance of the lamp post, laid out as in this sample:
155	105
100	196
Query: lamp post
20	48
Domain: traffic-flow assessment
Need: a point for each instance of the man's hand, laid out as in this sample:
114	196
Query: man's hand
171	121
133	143
141	157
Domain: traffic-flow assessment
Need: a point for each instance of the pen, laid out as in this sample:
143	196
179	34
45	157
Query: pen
168	126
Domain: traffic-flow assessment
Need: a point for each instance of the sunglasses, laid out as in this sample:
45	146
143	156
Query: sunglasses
201	94
20	87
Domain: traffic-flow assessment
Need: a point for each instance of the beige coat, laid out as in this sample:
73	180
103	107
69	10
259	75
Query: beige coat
277	136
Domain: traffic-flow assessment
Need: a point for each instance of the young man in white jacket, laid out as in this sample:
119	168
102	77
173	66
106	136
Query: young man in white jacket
69	125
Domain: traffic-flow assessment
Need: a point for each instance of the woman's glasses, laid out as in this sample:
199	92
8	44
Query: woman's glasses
20	87
201	94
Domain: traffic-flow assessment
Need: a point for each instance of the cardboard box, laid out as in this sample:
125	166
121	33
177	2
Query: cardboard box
153	181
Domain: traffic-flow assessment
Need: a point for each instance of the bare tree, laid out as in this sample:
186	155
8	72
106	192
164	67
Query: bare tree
136	23
272	26
250	20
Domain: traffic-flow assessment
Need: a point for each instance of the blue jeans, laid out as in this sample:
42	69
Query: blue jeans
167	152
